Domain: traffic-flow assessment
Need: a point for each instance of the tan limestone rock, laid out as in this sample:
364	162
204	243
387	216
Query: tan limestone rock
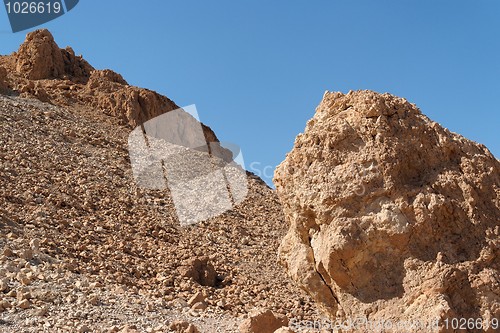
391	215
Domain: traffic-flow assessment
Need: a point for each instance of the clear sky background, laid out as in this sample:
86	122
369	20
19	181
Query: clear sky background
256	70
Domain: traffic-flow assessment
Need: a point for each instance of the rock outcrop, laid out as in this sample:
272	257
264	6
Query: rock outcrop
392	217
42	70
39	58
108	91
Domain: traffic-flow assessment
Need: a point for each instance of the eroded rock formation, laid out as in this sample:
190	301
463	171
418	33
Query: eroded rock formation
39	57
392	216
42	70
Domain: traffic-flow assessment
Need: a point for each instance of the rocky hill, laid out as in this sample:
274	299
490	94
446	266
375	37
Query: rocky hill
394	219
383	217
83	248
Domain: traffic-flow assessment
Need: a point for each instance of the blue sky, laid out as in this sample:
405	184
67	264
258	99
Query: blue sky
256	70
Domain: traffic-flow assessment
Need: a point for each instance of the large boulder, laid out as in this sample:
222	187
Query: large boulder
392	216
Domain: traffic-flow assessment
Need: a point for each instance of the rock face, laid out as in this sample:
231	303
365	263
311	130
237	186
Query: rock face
391	215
